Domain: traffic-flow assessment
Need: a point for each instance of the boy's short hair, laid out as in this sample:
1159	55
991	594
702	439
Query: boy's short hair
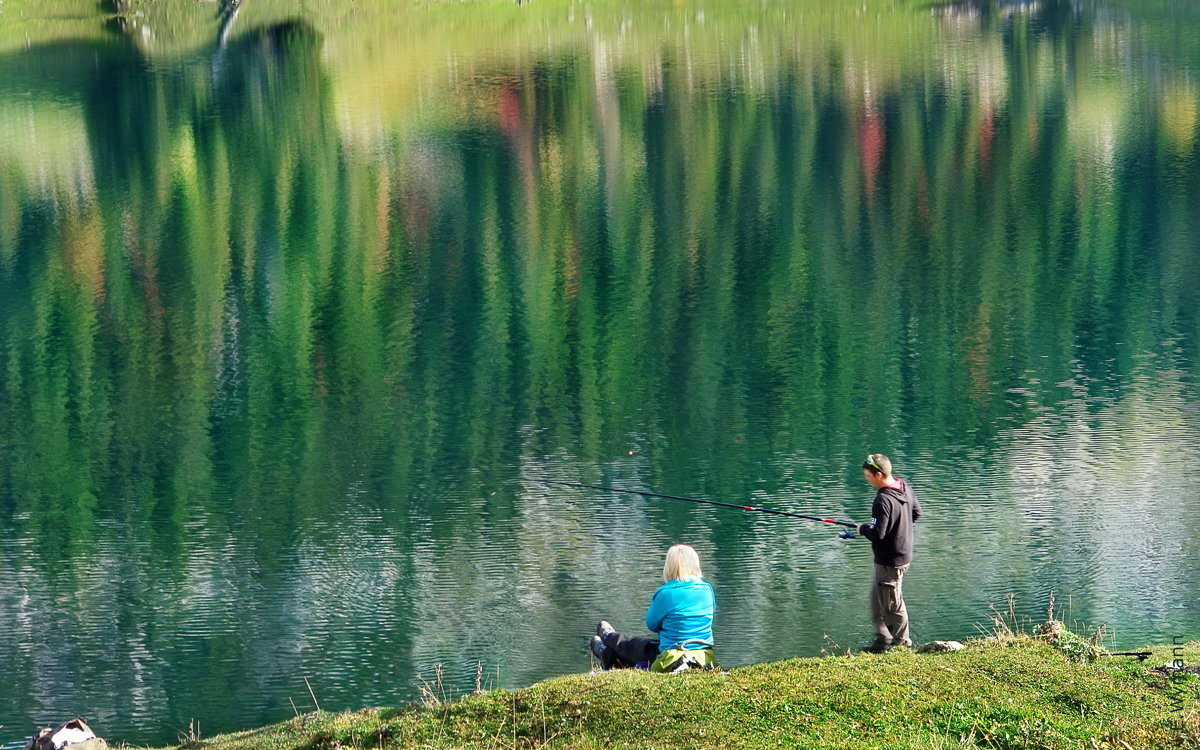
877	463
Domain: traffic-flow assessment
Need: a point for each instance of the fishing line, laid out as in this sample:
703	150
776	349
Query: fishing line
752	508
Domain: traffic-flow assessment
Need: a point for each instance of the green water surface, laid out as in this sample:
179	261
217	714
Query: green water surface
299	300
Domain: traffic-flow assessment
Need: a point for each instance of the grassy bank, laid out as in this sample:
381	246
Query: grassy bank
1015	692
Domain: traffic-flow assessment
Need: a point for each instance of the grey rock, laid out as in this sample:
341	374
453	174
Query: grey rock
935	647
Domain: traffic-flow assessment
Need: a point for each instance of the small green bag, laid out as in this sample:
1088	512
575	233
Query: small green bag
679	659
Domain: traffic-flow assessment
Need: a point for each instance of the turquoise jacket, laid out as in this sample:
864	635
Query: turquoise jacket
680	610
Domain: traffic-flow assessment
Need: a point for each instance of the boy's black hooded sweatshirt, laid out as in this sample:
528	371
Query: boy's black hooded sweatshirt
890	530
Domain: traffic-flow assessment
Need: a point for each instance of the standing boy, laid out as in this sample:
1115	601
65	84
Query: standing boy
891	534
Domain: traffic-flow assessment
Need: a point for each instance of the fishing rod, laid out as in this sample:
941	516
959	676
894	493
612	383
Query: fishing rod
1141	655
789	514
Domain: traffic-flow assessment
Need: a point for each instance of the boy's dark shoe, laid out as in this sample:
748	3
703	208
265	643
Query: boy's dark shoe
878	646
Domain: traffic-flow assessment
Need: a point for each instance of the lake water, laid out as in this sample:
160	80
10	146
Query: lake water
299	302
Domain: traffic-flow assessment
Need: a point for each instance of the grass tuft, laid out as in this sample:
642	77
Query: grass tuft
1004	628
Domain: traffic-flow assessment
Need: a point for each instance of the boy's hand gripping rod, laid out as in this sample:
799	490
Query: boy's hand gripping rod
843	535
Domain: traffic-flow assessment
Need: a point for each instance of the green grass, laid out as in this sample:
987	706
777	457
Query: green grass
1015	691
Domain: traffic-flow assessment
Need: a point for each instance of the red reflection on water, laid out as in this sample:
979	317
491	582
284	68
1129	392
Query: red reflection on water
871	142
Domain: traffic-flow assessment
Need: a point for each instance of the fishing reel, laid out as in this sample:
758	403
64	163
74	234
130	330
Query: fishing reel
847	535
